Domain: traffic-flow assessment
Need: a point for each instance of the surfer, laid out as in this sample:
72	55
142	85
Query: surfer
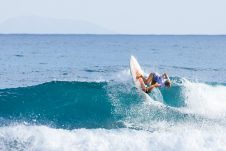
154	80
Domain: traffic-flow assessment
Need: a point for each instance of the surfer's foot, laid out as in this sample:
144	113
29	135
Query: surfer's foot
138	75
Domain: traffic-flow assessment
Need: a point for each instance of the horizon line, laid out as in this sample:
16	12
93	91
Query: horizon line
113	34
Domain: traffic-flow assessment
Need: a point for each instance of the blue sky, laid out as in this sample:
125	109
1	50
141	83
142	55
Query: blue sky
118	16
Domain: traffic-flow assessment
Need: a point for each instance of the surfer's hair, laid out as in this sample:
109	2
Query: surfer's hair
167	83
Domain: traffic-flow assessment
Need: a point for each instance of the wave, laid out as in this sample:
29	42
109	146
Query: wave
112	104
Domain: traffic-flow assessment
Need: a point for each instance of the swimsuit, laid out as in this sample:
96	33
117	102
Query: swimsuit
159	79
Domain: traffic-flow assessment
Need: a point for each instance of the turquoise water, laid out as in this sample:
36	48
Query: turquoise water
75	92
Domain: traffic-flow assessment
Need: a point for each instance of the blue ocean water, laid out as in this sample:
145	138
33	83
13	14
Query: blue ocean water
75	92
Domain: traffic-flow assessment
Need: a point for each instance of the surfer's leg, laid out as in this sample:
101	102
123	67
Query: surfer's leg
149	79
143	87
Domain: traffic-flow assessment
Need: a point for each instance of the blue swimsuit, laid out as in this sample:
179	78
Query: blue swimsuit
159	79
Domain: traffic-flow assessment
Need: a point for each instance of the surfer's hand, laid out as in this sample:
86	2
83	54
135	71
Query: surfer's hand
156	85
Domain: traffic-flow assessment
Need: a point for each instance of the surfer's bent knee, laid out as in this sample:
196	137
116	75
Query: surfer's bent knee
152	74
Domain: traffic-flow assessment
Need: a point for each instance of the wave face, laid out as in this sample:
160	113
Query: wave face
77	104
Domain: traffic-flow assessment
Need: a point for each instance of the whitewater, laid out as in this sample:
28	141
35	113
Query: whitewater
75	92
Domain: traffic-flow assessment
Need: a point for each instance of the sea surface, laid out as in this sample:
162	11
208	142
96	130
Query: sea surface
75	93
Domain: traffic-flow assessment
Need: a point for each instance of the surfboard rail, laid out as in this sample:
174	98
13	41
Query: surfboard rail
135	69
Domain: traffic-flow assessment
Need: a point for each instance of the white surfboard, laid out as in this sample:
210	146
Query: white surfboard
135	68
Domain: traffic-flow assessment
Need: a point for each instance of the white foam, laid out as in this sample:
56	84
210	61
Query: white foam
122	75
180	137
205	99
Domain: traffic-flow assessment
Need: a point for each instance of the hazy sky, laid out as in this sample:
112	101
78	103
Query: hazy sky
129	16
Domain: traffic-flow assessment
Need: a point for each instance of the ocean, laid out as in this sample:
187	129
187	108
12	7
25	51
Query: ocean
75	92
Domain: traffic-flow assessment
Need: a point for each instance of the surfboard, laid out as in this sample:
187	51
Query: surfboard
134	69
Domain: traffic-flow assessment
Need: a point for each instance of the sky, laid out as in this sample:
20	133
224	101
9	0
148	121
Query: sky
114	16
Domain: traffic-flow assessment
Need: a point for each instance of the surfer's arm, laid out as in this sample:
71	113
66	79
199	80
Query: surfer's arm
165	76
149	89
